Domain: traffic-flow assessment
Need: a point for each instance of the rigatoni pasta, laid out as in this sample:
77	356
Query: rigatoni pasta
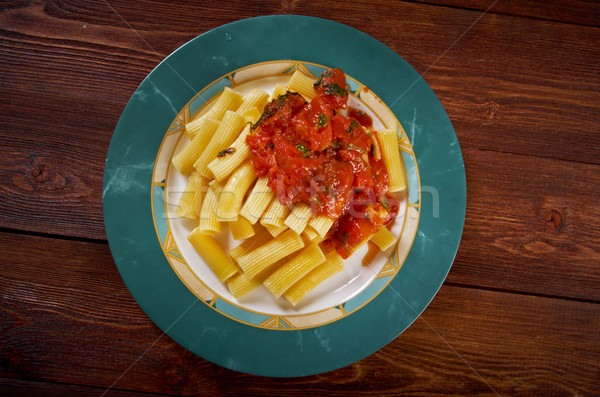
228	100
258	200
282	239
298	217
290	273
184	161
241	229
275	214
384	239
228	130
232	196
190	202
262	257
391	157
302	84
229	159
208	223
212	253
257	98
333	264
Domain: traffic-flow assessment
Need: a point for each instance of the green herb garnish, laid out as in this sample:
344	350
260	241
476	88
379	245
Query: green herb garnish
225	152
345	237
324	75
383	200
353	125
354	147
273	107
303	149
334	89
323	120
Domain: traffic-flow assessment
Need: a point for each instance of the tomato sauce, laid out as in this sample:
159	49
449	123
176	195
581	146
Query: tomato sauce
313	154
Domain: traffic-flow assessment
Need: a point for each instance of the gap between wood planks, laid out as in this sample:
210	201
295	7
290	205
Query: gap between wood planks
503	13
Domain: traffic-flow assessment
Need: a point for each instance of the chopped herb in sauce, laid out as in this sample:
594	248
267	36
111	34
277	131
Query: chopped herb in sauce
383	200
225	152
334	89
345	237
273	107
352	146
303	149
324	75
353	125
323	120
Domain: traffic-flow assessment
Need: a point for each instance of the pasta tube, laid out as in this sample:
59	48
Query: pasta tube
250	244
241	229
228	130
184	160
213	254
262	257
257	98
310	233
278	90
303	84
321	224
207	223
298	218
384	239
290	273
251	115
190	202
275	214
391	159
333	264
276	231
232	196
228	100
258	200
240	284
224	164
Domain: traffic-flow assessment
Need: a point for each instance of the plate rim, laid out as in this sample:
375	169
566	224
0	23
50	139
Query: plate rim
321	340
170	244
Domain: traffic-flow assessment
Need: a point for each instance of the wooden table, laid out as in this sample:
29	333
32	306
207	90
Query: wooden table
519	313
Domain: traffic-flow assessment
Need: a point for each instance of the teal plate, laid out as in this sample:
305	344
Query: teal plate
436	181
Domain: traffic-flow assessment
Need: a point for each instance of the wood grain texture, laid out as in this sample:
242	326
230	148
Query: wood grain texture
580	12
520	313
15	387
64	299
529	225
69	68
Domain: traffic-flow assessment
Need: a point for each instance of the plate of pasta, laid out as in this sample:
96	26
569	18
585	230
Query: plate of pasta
282	209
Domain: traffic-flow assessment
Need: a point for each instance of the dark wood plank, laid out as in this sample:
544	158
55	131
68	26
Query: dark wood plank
507	83
57	69
66	317
580	12
530	225
50	171
16	387
70	67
